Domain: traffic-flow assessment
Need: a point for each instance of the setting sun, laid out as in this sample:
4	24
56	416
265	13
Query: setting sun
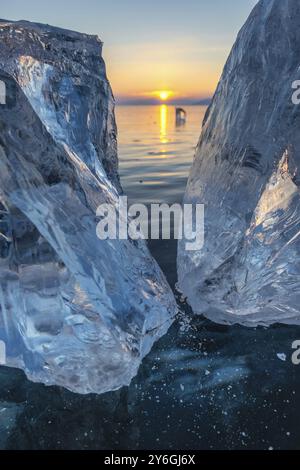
164	94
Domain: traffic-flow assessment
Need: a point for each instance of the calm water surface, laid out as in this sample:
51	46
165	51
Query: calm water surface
155	153
155	159
203	386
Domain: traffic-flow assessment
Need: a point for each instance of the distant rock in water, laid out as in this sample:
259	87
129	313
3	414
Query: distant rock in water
246	172
74	311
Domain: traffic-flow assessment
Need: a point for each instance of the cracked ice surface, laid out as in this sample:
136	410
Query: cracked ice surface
246	172
74	311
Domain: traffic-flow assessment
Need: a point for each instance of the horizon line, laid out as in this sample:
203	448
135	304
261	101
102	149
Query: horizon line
175	102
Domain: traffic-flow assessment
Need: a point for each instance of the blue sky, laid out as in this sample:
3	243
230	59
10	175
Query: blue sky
149	45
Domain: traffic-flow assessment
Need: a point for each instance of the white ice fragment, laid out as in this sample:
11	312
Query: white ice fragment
282	357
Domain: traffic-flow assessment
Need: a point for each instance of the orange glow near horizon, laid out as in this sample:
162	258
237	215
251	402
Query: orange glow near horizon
162	71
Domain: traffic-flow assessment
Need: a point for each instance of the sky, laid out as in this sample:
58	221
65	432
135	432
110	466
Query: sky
150	46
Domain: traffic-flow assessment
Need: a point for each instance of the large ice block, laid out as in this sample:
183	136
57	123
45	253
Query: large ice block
246	172
74	311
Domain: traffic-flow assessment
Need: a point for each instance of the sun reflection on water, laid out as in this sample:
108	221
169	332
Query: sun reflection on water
163	123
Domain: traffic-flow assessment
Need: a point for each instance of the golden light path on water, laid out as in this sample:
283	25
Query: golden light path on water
163	123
